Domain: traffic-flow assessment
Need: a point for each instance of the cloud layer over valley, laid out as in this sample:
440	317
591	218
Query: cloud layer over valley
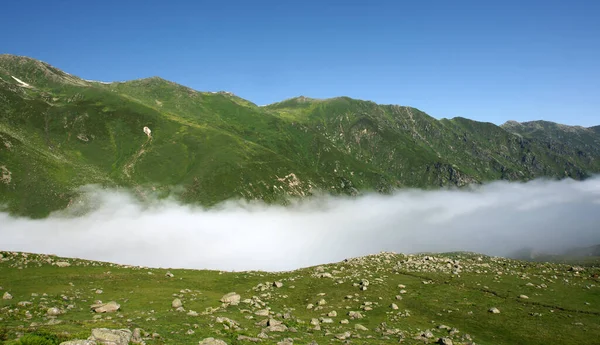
495	219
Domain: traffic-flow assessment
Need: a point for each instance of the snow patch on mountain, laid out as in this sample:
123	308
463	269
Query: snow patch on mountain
23	84
101	82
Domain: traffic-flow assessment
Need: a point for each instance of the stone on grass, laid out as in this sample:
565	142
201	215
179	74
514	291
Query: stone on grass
355	315
360	327
212	341
445	341
343	336
278	328
109	307
176	303
231	298
53	311
136	336
79	342
111	336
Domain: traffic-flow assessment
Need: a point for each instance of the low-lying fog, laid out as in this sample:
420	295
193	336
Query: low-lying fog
494	219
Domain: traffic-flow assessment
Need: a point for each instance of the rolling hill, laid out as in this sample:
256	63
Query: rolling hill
451	298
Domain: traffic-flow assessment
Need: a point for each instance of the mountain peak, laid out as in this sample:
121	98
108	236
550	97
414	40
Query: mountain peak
36	73
511	123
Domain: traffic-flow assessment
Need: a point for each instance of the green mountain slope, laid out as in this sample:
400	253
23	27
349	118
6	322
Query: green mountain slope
59	132
581	144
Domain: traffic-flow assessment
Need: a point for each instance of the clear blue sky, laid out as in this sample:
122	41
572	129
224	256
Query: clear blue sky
486	60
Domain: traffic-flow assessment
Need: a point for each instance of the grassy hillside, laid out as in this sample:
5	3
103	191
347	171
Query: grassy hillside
59	132
416	299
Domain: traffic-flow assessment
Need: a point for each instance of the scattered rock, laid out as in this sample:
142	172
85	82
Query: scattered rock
262	312
445	341
360	327
494	310
227	322
343	336
273	322
109	307
427	335
169	275
176	303
136	336
355	315
277	284
246	338
231	298
79	342
62	264
111	336
7	295
394	306
212	341
523	297
53	311
278	328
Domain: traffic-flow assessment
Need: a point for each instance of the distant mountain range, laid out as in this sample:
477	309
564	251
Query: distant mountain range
578	255
59	132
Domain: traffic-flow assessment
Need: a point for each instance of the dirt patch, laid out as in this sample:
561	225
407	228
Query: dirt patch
6	175
129	166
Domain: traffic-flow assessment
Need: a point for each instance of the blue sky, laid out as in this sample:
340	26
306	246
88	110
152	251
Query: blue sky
486	60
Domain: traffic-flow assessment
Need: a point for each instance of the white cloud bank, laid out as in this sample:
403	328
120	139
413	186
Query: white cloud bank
494	219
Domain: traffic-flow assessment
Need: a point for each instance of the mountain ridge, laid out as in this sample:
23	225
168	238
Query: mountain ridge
294	98
59	132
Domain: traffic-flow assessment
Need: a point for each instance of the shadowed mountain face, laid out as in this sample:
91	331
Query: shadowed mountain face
59	132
